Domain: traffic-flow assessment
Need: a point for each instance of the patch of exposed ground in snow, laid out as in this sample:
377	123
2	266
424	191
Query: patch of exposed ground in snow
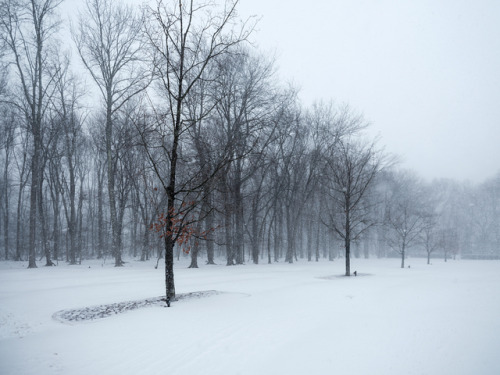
104	311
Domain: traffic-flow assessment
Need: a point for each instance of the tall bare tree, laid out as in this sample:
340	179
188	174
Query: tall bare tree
404	216
108	41
248	100
69	121
350	171
27	27
8	126
185	38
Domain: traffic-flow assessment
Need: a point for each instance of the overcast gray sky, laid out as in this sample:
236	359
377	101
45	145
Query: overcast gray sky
425	73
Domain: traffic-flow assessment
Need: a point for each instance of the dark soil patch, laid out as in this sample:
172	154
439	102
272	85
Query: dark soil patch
104	311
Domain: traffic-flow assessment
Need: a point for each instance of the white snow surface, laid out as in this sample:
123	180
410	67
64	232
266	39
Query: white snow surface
301	318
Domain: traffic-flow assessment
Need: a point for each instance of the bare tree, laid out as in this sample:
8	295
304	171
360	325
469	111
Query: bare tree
70	122
8	126
298	177
350	171
21	159
430	236
185	39
27	27
404	217
108	41
249	99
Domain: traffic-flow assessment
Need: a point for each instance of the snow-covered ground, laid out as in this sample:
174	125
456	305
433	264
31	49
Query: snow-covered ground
301	318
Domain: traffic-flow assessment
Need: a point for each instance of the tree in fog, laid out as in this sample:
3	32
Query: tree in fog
453	230
8	124
480	208
430	236
184	38
108	41
28	30
349	173
248	99
68	121
404	216
449	241
431	207
278	157
299	176
99	169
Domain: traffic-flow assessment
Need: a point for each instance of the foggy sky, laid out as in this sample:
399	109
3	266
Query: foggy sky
426	74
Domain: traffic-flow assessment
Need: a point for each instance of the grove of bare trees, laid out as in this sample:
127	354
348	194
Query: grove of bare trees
168	135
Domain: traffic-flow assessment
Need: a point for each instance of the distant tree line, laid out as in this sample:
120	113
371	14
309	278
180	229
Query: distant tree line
189	145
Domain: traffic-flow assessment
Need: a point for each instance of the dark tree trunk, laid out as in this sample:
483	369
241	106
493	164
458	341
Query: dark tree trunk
169	270
209	226
309	240
6	200
72	215
110	162
133	232
145	243
56	229
100	217
317	242
269	231
6	224
194	255
80	223
238	225
347	242
347	257
33	206
403	256
43	224
255	238
169	231
171	193
290	236
229	236
19	227
169	224
278	225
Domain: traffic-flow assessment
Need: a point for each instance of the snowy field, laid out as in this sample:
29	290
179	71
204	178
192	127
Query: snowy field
301	318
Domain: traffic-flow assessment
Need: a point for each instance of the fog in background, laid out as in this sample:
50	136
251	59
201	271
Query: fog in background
424	73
